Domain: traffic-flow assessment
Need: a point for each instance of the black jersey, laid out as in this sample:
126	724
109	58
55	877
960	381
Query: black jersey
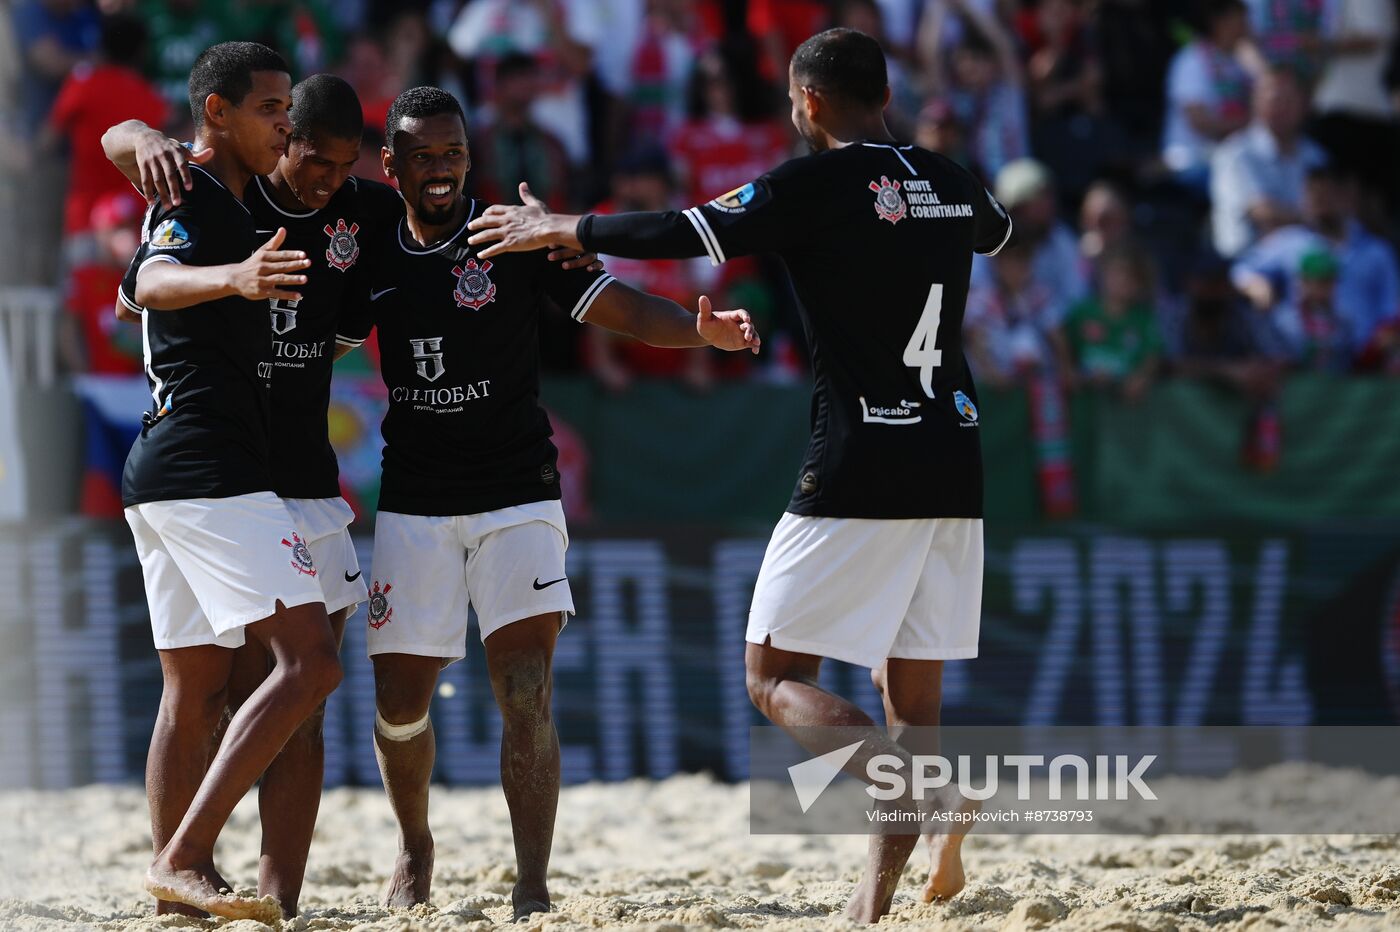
878	240
303	331
206	433
459	352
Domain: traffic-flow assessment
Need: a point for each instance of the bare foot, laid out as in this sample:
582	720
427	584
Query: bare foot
412	879
164	908
528	901
945	876
865	906
203	888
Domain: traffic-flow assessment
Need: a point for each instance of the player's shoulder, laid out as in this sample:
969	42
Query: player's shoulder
375	199
207	194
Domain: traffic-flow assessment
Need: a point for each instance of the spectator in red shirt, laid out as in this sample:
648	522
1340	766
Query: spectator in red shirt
724	146
93	98
94	341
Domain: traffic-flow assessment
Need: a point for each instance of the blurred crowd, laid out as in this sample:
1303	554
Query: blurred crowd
1201	188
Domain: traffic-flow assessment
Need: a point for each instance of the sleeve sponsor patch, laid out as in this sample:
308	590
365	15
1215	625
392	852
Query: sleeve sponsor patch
738	200
170	234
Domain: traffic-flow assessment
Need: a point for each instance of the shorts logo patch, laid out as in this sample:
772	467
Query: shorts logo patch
169	235
343	250
889	203
965	407
474	287
380	613
301	555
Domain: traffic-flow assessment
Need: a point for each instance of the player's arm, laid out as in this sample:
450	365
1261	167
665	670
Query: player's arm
659	322
157	165
754	218
165	283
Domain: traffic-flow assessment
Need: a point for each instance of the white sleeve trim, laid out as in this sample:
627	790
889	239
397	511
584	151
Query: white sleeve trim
161	258
707	235
1004	240
128	303
584	303
349	341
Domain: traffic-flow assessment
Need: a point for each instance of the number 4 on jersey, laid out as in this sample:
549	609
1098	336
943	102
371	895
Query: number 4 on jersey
920	353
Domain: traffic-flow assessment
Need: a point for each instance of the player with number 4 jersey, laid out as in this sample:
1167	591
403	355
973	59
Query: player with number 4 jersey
878	560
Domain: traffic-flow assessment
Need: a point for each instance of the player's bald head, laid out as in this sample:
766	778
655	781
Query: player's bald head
844	65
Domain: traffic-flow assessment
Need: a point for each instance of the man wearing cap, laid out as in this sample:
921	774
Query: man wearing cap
1026	189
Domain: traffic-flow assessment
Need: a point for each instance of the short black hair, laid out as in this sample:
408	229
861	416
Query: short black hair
843	63
417	103
123	39
227	69
324	106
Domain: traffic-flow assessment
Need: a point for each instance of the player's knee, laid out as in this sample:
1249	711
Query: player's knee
317	673
522	688
193	708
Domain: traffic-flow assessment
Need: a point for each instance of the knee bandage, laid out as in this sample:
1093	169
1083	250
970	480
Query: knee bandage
400	732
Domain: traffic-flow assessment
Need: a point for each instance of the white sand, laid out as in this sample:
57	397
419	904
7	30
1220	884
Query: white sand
677	854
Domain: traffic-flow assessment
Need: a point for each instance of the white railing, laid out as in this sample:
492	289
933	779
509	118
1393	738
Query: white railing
29	333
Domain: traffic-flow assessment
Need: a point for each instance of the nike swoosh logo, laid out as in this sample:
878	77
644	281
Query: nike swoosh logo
540	585
376	295
349	578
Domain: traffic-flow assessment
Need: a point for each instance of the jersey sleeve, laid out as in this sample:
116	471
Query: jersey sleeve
769	214
356	318
173	235
381	206
573	290
126	291
991	224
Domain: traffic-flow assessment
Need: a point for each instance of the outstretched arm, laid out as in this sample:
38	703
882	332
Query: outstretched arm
158	165
639	235
660	322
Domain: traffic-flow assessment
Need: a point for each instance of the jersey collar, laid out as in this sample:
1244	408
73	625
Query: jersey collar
267	195
403	243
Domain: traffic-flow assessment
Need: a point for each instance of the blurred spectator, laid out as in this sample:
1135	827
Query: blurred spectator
1134	40
721	147
780	27
937	129
1288	33
1318	338
559	35
1367	291
1111	339
661	69
1356	117
179	31
1062	70
981	78
512	147
642	181
1010	322
304	31
55	35
94	341
1105	218
1215	335
1026	189
93	97
1207	94
1257	174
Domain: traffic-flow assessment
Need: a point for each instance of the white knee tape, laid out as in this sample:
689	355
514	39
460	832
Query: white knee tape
400	732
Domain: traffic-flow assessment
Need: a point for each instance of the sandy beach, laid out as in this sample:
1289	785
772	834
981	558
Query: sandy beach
677	855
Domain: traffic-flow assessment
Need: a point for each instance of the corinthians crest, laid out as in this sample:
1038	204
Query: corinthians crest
474	287
301	555
343	250
889	204
379	610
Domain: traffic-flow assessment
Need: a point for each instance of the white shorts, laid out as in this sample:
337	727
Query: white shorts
214	565
509	564
324	524
861	590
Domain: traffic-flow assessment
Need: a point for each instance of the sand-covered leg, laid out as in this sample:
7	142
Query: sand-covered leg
406	749
520	660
